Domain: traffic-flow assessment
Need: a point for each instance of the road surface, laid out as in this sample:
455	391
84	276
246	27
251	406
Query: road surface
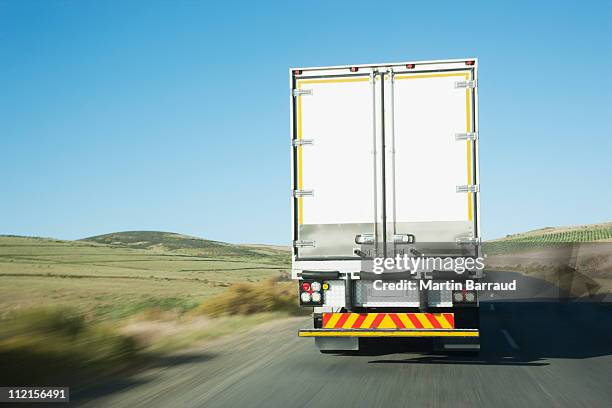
534	354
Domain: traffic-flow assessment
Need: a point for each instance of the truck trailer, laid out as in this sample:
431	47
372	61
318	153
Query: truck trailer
384	164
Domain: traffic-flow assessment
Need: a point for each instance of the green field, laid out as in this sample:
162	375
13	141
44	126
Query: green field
550	237
578	259
117	275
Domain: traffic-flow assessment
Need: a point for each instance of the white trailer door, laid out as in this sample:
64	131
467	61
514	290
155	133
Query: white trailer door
430	160
334	174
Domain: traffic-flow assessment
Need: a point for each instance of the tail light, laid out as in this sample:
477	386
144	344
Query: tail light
470	63
354	69
410	66
311	293
464	297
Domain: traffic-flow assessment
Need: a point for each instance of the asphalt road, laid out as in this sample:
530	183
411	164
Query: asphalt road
534	354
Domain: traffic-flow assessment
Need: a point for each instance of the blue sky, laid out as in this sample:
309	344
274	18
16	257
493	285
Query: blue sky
173	115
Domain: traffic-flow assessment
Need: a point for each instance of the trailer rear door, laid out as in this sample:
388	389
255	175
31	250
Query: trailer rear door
430	156
334	173
382	157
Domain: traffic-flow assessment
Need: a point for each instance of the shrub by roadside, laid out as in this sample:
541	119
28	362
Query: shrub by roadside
246	299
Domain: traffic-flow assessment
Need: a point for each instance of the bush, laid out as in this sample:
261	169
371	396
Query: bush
244	299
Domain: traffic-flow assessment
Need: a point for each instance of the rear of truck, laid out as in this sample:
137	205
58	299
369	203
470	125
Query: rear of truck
385	163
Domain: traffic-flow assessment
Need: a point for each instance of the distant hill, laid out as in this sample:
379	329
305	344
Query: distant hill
169	241
151	239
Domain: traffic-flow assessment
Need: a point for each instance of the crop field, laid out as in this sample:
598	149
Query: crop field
549	238
578	259
129	274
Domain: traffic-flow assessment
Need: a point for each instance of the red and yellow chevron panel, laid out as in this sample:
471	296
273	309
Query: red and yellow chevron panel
388	321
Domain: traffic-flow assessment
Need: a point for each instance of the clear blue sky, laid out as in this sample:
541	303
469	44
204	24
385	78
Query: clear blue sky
173	115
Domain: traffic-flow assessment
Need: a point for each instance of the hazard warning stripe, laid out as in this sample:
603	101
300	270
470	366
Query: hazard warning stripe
397	321
434	322
415	322
341	320
450	318
388	321
379	317
359	321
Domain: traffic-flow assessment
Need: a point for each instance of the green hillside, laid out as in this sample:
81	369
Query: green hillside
185	244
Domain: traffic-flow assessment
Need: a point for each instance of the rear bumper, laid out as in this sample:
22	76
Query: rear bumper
389	333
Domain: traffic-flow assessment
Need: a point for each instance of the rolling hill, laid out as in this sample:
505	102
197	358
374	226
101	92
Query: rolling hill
185	244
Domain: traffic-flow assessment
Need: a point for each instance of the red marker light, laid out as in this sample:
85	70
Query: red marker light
354	69
306	287
470	63
297	72
410	66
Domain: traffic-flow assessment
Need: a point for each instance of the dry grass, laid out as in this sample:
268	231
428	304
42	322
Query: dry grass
246	299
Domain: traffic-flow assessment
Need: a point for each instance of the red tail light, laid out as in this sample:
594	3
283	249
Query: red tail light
354	69
470	63
410	66
297	72
306	287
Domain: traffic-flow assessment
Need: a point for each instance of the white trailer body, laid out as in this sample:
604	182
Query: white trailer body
381	154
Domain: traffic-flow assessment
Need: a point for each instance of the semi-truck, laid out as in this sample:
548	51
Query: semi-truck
384	163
